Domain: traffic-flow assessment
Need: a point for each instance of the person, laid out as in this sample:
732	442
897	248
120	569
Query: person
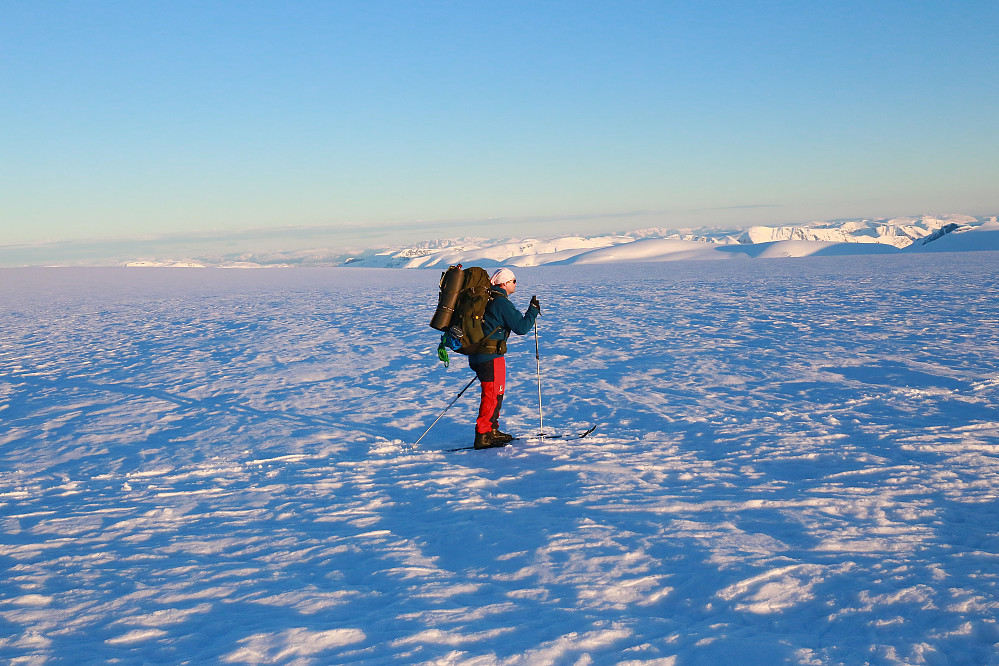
500	319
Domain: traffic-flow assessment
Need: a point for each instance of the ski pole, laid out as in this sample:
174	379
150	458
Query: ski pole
445	410
537	355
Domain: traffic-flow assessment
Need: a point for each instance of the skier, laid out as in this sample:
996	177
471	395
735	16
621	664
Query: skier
501	317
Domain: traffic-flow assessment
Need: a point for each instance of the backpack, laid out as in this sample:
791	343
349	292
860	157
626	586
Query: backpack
465	293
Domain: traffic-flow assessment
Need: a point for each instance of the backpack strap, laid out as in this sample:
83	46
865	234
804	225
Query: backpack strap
487	345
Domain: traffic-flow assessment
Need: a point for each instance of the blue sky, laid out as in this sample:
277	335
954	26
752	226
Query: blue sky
147	118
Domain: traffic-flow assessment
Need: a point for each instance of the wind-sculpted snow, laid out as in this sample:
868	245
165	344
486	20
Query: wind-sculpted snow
795	462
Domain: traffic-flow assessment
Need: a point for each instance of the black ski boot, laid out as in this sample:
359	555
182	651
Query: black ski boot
501	436
486	440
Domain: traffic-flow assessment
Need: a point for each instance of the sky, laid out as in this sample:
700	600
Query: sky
491	119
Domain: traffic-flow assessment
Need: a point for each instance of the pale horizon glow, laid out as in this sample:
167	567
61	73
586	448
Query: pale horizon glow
127	121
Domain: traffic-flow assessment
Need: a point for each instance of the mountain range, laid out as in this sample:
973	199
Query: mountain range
838	237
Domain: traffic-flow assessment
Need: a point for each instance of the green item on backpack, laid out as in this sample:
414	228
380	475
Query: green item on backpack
442	353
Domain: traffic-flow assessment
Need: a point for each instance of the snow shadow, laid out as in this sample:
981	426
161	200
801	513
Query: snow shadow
794	462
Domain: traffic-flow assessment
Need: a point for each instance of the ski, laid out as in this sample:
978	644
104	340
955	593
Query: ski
573	435
539	436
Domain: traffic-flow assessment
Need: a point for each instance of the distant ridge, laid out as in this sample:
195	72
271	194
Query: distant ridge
908	234
926	233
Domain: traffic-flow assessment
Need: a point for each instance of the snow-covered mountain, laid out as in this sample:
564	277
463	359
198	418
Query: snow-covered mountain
898	232
869	236
839	237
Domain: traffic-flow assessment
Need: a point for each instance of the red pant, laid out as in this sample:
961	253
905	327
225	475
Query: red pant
492	376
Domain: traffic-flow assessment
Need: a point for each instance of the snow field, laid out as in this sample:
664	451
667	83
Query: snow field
796	462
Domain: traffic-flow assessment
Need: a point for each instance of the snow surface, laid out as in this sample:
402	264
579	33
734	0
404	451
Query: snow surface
795	462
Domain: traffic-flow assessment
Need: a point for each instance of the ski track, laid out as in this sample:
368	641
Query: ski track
797	461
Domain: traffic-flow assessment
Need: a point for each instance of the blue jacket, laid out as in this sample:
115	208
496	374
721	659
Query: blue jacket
503	314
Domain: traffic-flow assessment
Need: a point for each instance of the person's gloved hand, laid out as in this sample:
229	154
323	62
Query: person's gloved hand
535	304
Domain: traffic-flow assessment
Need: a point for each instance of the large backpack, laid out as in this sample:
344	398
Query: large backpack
465	293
